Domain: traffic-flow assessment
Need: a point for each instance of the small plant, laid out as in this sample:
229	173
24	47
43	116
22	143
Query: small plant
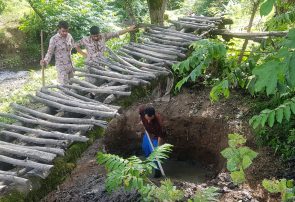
207	195
132	173
238	157
167	192
283	186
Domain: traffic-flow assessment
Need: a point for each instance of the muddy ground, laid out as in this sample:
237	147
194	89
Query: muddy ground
198	130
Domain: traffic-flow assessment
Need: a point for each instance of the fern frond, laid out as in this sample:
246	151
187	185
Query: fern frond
284	111
160	153
111	161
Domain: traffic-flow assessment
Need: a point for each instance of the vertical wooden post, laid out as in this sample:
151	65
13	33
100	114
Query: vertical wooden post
42	56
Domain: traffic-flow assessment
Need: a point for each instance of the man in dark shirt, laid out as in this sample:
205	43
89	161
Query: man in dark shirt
153	123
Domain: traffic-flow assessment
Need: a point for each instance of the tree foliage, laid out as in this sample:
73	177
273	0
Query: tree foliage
2	5
81	15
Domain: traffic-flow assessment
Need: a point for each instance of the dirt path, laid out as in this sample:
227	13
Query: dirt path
87	183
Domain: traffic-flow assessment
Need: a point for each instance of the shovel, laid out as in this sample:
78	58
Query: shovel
152	146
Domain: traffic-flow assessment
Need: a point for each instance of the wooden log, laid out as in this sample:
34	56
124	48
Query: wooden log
146	56
77	110
173	41
8	173
207	18
47	123
14	179
56	151
100	123
82	82
198	20
99	108
166	36
192	25
167	42
29	153
60	94
153	53
35	140
103	91
25	163
111	73
128	65
123	81
152	68
154	49
42	133
80	97
250	35
169	30
175	34
121	69
143	64
160	45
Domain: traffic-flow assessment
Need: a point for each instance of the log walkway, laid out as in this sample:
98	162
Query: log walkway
30	145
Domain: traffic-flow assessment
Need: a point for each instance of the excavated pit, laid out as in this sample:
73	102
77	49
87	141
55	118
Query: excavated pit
197	143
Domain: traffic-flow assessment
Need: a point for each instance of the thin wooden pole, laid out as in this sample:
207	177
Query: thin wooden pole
42	56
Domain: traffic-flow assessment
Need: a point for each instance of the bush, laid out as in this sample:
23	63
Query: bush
2	6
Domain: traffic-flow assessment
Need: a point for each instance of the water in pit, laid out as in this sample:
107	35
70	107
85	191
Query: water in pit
189	171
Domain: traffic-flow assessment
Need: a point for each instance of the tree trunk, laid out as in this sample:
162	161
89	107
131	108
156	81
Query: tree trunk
254	10
157	9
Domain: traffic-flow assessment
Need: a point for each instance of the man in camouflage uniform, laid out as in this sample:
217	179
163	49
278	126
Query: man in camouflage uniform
61	45
95	44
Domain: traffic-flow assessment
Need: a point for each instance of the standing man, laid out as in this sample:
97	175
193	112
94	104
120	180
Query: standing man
95	43
61	45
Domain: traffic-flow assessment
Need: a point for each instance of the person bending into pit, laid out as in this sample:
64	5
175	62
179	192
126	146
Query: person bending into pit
153	124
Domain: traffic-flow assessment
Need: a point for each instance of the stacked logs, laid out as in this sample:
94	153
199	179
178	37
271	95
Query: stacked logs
30	145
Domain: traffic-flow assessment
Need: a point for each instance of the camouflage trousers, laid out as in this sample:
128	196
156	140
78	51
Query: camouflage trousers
64	74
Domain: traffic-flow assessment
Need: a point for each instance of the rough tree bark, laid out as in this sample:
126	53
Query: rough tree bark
157	9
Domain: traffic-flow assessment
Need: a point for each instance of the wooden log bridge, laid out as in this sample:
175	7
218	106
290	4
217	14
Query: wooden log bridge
37	137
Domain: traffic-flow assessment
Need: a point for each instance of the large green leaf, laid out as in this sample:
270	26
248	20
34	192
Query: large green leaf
287	112
267	76
266	7
228	153
246	162
232	164
271	118
290	41
291	71
279	114
238	177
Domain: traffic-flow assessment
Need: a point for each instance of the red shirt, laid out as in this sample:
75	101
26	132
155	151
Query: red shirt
155	126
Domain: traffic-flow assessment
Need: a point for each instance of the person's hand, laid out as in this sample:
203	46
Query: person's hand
84	54
132	27
43	62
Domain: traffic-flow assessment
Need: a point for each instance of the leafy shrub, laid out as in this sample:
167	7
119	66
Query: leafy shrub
2	6
81	15
205	53
208	195
238	157
283	186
